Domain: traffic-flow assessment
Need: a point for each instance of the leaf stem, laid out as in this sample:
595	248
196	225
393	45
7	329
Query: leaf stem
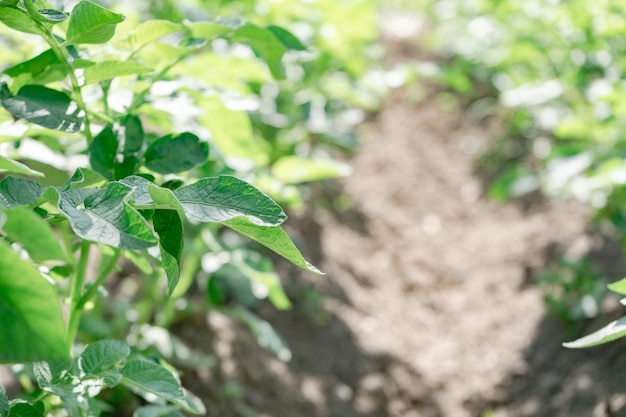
63	57
78	280
104	273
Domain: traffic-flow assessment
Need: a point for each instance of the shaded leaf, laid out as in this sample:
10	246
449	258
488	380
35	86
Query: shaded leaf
4	402
32	324
43	106
102	355
176	153
222	198
25	410
102	152
19	191
91	23
107	70
169	227
265	334
34	234
274	238
34	66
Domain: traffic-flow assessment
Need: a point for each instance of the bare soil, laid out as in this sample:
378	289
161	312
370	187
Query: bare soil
428	307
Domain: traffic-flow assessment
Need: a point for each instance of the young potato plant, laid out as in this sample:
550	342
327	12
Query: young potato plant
89	97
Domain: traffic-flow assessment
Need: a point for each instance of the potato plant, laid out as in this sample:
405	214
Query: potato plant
115	107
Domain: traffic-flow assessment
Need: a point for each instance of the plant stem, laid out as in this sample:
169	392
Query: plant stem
78	280
104	273
61	53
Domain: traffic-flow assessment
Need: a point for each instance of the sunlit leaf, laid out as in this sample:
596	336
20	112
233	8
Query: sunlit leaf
294	169
618	286
608	333
272	237
34	234
102	355
32	324
19	191
18	20
91	23
222	198
150	31
107	70
4	402
9	165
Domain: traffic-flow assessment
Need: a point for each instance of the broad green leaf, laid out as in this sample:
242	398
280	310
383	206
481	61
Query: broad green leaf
169	227
91	23
286	38
608	333
53	377
34	234
176	153
294	169
9	165
102	355
106	218
150	31
210	30
618	286
34	66
102	152
274	238
8	3
265	45
140	195
19	191
18	20
32	324
107	70
153	378
133	135
4	402
25	409
43	106
231	132
164	198
222	198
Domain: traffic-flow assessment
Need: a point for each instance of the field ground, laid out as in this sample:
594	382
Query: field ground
428	307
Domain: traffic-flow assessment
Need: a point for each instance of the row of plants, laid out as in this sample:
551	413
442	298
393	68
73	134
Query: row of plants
166	135
557	71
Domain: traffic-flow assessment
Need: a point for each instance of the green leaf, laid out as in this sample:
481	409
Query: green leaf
18	20
55	377
25	409
107	70
294	169
32	324
608	333
34	66
19	191
153	378
164	198
150	31
169	227
265	45
133	135
231	132
49	16
158	411
102	355
9	165
618	286
222	198
8	3
286	38
84	178
4	402
34	234
91	23
43	106
102	152
176	153
274	238
106	218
